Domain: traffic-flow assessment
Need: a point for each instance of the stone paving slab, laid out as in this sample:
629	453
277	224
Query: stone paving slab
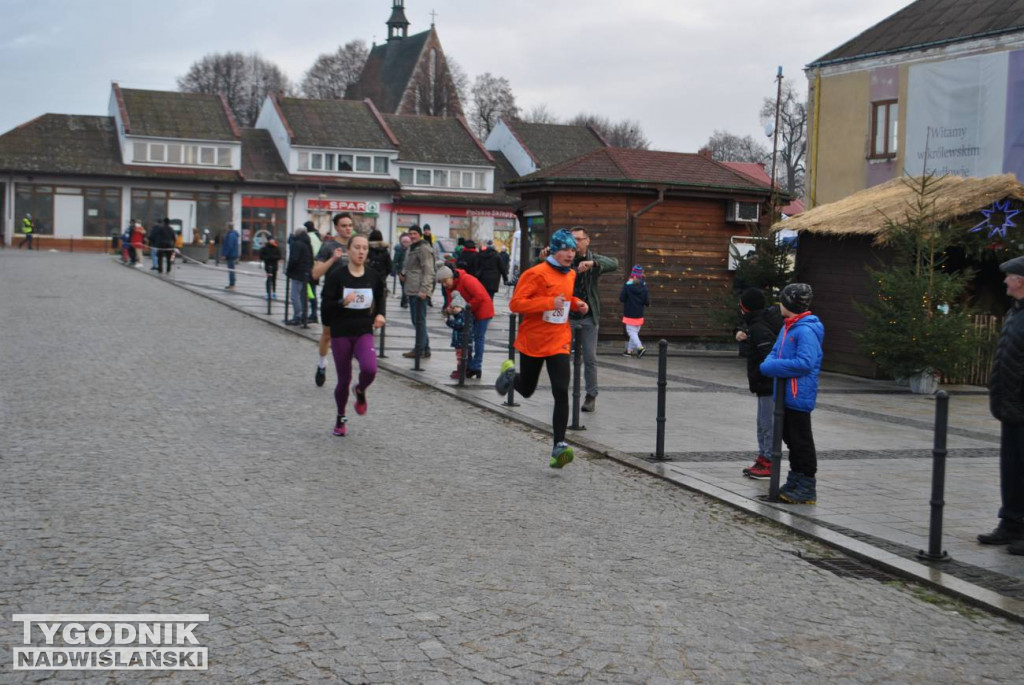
711	417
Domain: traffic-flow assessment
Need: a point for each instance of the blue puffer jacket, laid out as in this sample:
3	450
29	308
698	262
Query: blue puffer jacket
797	356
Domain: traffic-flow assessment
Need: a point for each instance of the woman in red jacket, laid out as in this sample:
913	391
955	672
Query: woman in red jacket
473	291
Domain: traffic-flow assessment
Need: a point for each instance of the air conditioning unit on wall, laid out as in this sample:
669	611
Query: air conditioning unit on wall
743	212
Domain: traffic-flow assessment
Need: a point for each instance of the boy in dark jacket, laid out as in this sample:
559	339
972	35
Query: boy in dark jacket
762	325
795	360
270	255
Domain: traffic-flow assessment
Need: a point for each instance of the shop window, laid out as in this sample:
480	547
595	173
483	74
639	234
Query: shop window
37	201
102	207
404	221
149	206
460	227
884	129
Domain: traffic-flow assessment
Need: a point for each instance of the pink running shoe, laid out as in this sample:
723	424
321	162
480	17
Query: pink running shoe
360	400
341	426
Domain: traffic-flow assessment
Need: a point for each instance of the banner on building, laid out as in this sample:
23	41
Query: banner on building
958	112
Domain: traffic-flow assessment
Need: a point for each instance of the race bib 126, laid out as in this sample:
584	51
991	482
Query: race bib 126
363	299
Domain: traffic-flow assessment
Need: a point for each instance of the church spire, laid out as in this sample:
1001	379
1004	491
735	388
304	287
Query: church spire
398	25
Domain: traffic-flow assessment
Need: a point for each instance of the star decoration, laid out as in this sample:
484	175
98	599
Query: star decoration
997	208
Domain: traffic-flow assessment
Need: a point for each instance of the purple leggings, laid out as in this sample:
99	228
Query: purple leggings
360	347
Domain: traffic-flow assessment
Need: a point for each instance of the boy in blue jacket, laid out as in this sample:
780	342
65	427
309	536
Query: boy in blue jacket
796	360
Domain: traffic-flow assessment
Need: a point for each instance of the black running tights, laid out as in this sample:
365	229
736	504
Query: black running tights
558	374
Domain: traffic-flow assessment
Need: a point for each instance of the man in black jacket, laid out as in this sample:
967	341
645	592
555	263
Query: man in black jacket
161	238
300	264
1006	402
490	270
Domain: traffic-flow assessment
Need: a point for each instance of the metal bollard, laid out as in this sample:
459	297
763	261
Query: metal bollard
935	551
510	401
780	411
659	449
381	354
287	297
577	355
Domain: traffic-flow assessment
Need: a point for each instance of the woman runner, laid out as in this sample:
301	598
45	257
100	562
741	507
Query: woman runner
353	304
544	298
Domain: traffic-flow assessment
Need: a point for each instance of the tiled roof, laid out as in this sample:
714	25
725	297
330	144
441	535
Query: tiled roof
167	114
550	144
642	167
928	23
333	123
757	172
69	144
387	72
435	139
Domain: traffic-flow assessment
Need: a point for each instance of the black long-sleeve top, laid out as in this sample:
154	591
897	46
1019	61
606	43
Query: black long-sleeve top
357	318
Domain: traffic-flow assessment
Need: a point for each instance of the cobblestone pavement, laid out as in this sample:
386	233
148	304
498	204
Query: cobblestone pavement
163	454
874	438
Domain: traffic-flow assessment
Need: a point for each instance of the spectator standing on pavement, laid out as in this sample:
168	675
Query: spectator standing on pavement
589	266
761	327
634	297
795	360
544	297
379	258
466	258
126	244
354	304
1006	402
137	240
490	270
28	228
332	255
161	239
473	292
270	255
428	235
401	249
230	250
300	260
418	277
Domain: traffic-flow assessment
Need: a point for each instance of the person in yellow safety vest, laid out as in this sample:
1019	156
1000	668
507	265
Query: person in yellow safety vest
27	228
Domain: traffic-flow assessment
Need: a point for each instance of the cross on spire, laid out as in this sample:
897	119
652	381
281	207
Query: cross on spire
433	16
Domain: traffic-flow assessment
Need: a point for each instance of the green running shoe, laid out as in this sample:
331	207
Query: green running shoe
506	377
561	455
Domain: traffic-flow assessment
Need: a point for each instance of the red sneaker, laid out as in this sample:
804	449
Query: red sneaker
341	426
360	400
761	469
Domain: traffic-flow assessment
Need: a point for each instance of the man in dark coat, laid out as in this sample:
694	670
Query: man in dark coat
1006	402
300	264
161	237
490	270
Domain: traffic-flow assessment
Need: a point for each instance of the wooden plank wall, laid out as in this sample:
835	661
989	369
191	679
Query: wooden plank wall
834	268
605	217
683	245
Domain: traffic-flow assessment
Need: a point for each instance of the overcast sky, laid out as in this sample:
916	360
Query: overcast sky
682	68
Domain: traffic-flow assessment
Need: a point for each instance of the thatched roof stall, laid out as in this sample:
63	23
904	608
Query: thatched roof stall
837	241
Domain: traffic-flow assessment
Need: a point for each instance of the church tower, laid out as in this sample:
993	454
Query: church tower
398	25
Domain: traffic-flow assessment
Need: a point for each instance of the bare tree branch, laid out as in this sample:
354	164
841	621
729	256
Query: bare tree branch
243	80
332	73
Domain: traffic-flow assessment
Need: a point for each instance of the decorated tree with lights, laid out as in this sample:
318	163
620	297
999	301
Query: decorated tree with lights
917	322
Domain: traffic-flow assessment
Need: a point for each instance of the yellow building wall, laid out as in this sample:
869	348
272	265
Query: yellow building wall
840	143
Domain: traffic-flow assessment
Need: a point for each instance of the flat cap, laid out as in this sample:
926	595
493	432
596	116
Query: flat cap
1013	266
